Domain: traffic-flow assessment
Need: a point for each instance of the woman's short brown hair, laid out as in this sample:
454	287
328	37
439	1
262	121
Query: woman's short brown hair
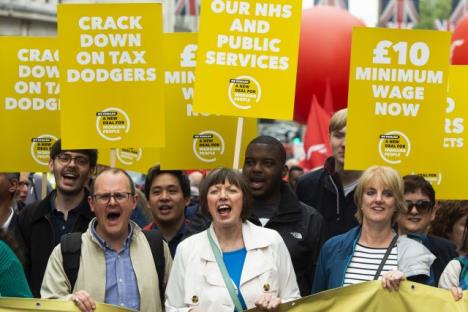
219	176
390	178
447	214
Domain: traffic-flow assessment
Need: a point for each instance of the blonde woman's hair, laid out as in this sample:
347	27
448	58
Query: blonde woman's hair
390	179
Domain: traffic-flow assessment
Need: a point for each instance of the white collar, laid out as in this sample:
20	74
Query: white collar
8	221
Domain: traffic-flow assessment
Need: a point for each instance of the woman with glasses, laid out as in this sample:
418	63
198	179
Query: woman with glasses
234	265
373	250
420	199
455	275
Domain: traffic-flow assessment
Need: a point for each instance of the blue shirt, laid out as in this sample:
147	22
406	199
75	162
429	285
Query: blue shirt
234	261
60	225
121	282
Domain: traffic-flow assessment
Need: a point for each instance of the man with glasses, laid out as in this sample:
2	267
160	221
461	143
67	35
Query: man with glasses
420	198
42	224
116	257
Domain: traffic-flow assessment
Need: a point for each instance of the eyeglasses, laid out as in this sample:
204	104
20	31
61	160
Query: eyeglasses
65	159
422	206
105	198
24	183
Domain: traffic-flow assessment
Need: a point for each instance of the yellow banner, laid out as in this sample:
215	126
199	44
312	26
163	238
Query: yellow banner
370	296
112	84
49	305
29	109
247	61
397	87
195	140
135	159
450	182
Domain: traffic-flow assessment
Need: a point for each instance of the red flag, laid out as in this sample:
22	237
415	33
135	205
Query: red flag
316	138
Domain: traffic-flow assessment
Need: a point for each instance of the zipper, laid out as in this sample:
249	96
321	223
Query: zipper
337	199
47	217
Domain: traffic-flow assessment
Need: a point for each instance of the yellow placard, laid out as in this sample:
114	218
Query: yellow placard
112	83
135	159
450	182
371	296
247	59
194	140
29	109
397	91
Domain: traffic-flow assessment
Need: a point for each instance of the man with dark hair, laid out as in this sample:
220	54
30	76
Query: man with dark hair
168	194
42	224
421	201
294	173
8	187
331	189
275	206
116	264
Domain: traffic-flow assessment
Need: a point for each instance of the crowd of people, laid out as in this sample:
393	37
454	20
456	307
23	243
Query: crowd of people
225	240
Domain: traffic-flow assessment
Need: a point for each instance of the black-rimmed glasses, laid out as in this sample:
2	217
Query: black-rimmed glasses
65	159
422	206
105	198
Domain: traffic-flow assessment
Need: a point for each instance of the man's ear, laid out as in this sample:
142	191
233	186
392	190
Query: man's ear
135	198
284	172
187	201
51	165
13	186
91	203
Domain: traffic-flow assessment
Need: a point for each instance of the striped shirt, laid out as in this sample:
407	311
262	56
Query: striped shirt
366	261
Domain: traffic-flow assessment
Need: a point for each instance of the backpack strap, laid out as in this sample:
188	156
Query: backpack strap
155	241
70	246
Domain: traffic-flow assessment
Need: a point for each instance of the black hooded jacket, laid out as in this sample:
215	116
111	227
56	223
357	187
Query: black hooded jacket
323	190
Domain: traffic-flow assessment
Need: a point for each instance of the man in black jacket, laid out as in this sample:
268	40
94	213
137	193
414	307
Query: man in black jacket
42	224
275	206
420	197
331	189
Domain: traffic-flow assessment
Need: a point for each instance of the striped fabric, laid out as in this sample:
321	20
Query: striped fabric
366	261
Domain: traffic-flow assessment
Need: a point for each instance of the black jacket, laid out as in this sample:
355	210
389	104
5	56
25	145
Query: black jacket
300	226
35	233
323	190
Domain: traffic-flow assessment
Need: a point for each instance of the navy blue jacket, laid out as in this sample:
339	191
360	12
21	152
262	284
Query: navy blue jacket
414	260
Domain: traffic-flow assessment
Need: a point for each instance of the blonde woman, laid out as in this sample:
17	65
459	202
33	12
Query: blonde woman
373	250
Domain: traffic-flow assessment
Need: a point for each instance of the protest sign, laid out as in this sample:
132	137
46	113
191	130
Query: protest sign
450	181
29	113
135	159
195	140
247	58
112	84
397	91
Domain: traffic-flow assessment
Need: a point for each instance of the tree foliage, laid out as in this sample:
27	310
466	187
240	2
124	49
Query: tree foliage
431	10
